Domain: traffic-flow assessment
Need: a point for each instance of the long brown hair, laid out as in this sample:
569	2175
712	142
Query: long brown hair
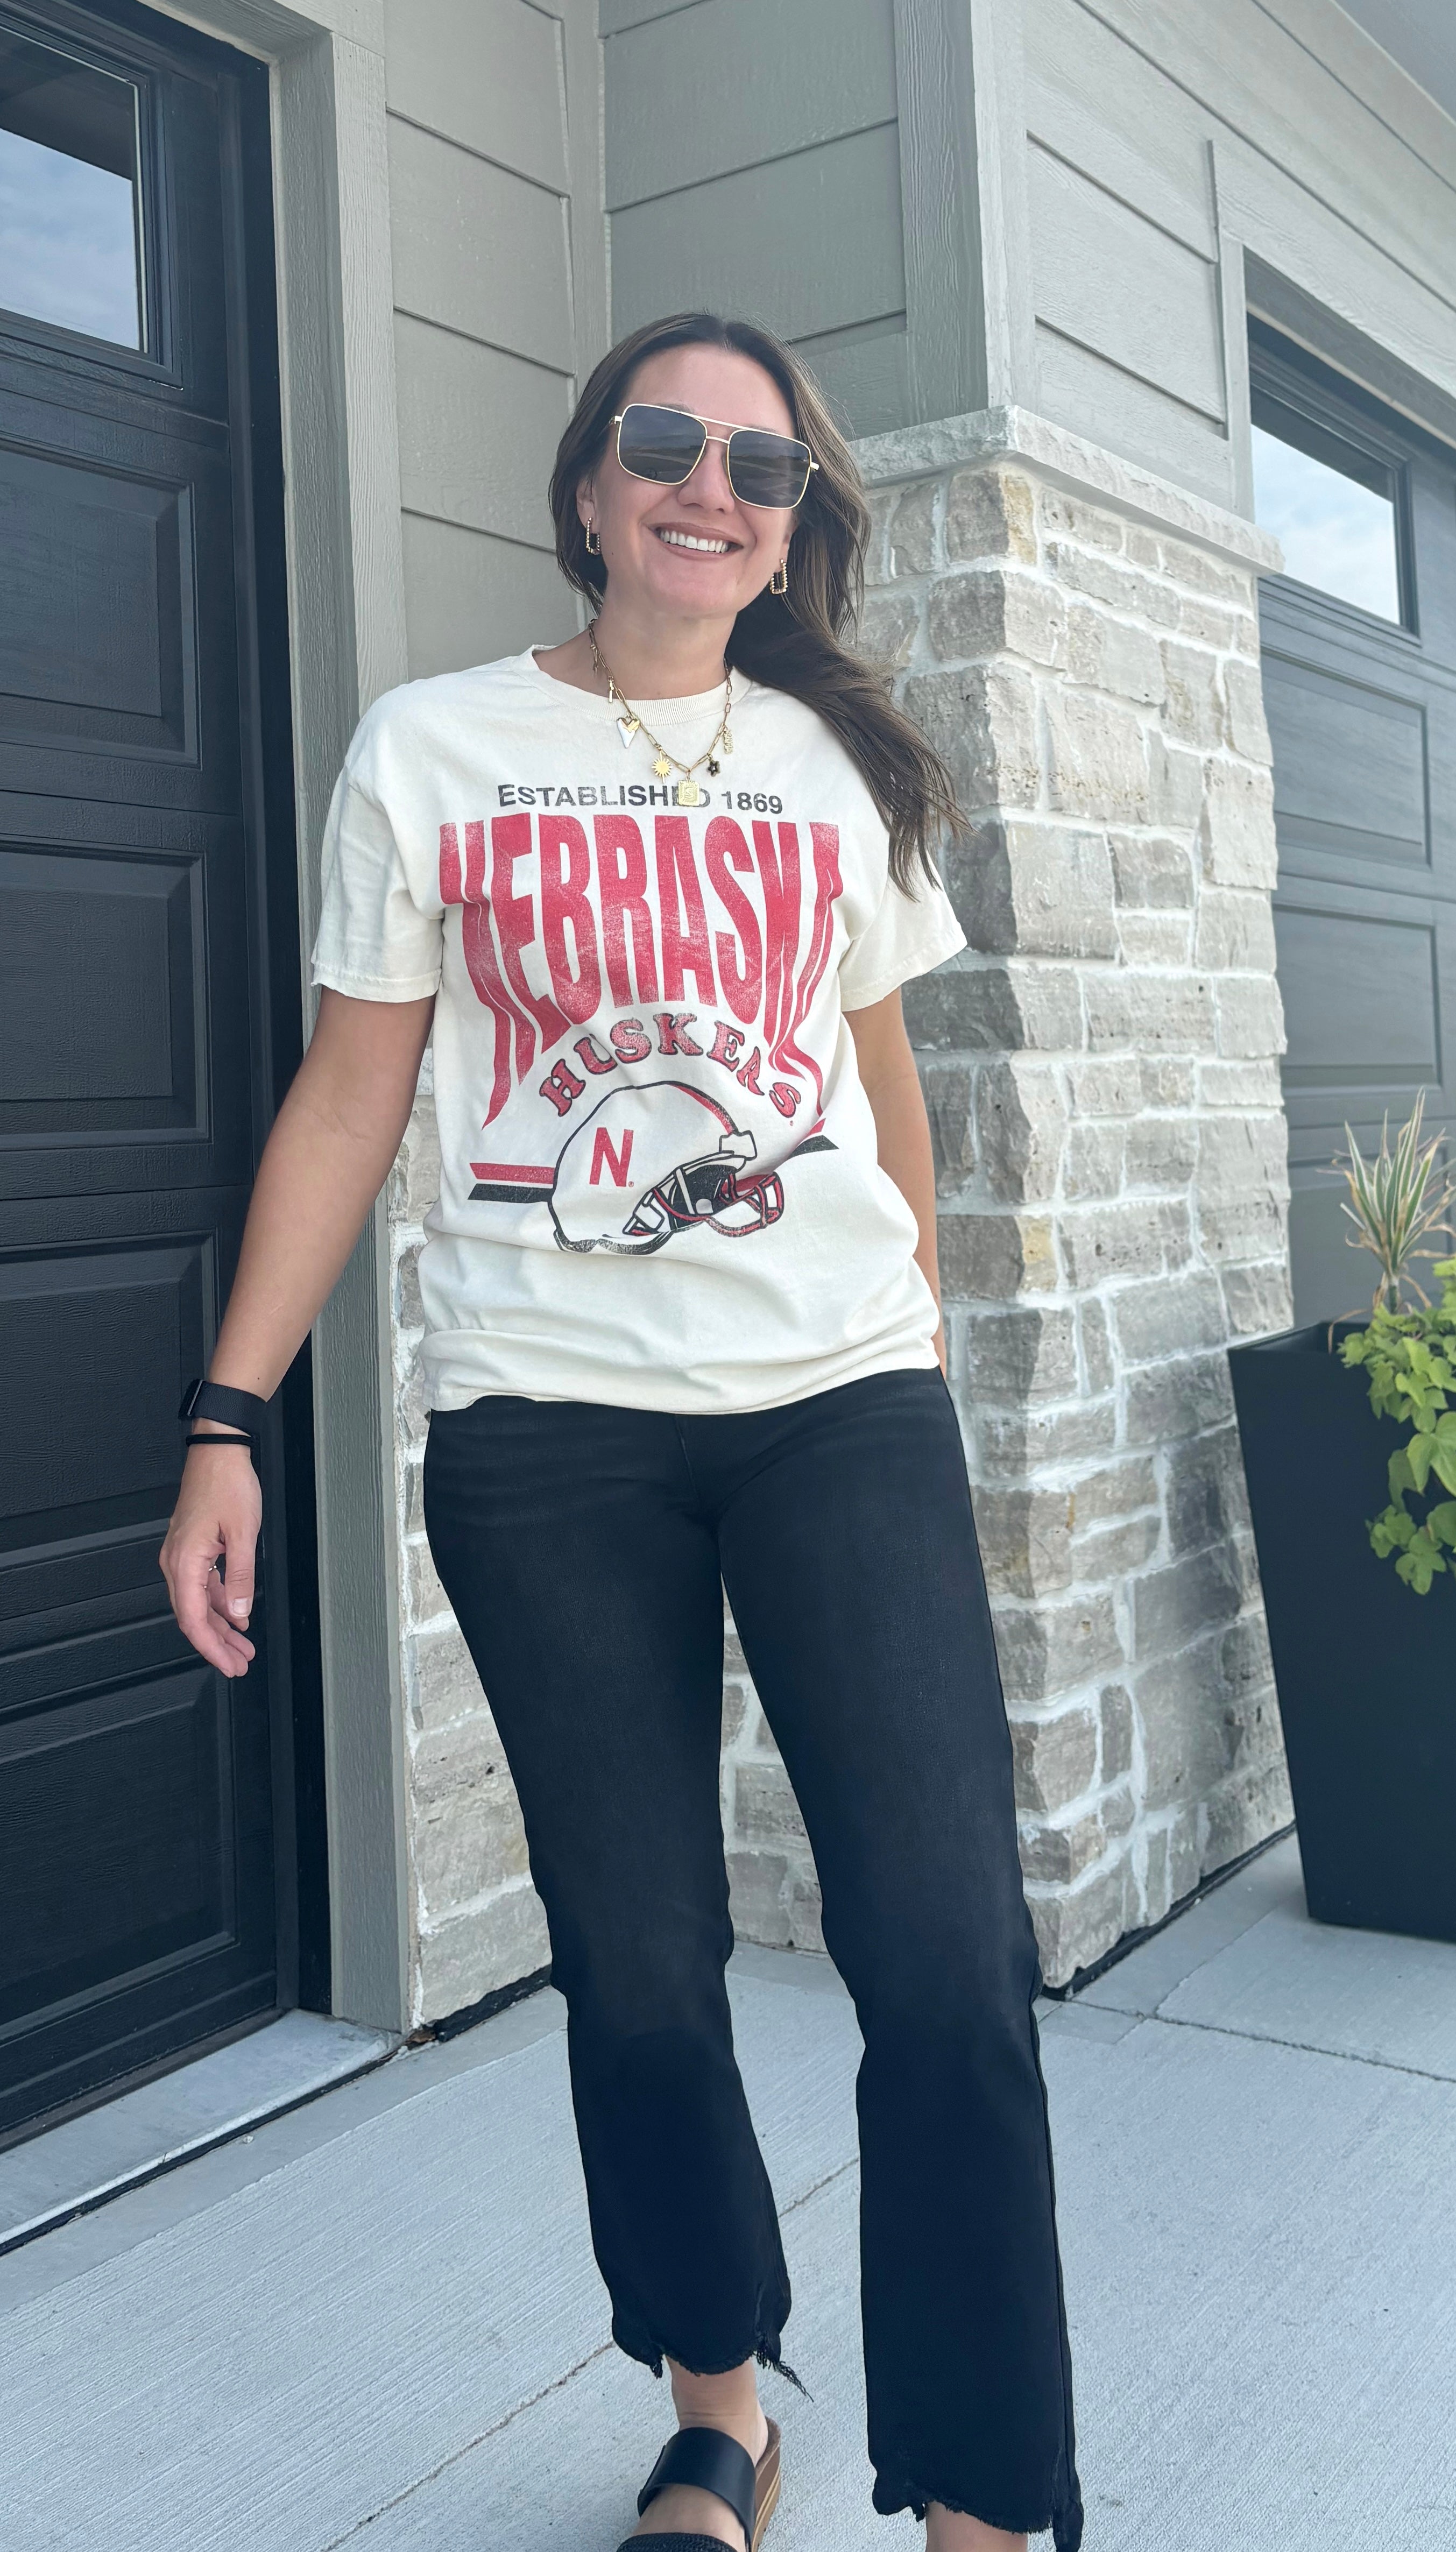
796	643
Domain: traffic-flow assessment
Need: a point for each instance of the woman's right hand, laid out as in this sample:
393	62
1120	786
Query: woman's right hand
215	1526
323	1165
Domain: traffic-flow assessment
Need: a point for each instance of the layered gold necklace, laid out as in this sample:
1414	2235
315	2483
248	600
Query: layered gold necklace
630	724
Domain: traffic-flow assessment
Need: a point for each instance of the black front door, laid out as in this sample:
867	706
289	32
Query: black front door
1359	646
149	1809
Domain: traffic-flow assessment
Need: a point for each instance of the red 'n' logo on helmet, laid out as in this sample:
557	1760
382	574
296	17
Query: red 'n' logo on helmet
604	1158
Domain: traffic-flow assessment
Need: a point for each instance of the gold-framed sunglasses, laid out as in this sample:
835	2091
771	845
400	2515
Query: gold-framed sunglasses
666	445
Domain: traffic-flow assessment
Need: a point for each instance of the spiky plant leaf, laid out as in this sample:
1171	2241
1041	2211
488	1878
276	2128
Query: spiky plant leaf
1397	1199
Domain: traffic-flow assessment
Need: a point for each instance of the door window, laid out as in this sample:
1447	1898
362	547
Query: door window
69	210
1332	506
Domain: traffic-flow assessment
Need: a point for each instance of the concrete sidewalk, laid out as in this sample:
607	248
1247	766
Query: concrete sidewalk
377	2322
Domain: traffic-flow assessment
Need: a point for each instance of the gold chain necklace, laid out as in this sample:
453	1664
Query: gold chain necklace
687	791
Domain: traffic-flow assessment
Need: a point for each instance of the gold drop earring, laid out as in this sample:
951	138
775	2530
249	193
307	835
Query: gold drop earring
779	580
593	541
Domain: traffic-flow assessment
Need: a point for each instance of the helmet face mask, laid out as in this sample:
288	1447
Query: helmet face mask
653	1159
704	1192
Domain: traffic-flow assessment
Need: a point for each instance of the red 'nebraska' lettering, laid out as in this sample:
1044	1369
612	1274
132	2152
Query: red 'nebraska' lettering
515	922
724	851
478	949
684	929
566	867
780	873
591	920
828	887
621	884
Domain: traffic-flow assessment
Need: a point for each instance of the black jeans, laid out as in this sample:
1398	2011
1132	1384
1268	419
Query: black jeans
581	1549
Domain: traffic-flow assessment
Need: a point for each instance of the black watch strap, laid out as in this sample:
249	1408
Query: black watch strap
230	1407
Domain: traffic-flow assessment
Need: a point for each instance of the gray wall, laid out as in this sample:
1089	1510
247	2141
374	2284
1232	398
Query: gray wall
753	165
954	203
1164	140
499	292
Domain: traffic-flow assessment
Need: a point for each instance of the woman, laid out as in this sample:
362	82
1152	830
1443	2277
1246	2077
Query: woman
657	890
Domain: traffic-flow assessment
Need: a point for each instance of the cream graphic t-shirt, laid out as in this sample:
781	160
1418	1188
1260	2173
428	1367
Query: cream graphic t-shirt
659	1184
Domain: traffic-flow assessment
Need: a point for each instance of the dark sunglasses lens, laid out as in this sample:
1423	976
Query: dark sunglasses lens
659	443
767	468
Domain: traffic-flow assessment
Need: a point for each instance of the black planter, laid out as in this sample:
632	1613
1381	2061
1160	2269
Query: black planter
1366	1669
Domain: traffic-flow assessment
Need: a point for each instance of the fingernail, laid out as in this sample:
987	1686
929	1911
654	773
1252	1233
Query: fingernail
239	1609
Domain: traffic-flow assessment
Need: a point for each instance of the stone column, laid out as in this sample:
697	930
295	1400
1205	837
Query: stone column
1100	1067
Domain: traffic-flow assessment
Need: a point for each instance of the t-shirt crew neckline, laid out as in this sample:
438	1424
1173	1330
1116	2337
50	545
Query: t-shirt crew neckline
682	706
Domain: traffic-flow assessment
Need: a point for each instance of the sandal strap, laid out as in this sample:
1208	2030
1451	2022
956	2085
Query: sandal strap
671	2544
704	2459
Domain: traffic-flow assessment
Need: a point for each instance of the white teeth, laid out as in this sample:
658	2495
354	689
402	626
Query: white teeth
691	541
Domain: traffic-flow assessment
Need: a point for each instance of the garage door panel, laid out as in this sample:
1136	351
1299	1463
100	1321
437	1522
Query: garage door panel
101	994
1350	764
1381	1035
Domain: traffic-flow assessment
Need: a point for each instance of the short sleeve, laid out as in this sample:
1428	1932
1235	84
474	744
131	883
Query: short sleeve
373	939
908	935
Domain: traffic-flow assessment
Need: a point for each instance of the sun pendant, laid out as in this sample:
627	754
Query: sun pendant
661	766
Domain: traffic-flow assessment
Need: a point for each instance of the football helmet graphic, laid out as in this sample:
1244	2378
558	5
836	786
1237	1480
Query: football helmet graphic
653	1159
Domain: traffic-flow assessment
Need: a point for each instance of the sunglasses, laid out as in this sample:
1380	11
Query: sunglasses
666	445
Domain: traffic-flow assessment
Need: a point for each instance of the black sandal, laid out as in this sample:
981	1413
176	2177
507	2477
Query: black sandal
704	2459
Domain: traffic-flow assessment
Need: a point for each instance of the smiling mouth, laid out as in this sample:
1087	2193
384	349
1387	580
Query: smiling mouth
675	540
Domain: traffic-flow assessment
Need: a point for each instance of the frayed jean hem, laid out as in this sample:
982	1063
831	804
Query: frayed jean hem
895	2491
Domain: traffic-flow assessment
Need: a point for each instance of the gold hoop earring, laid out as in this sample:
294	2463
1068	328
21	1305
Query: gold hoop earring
593	541
779	580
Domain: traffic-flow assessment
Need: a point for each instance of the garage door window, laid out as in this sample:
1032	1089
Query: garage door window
1334	508
69	222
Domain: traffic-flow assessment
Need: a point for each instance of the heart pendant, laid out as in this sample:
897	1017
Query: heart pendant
626	728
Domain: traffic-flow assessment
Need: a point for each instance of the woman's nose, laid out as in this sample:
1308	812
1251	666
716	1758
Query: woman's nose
709	483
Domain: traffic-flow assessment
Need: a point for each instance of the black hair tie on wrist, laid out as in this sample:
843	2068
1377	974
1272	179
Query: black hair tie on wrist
241	1409
219	1439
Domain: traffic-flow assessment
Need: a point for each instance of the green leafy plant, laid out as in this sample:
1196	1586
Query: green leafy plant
1407	1354
1410	1363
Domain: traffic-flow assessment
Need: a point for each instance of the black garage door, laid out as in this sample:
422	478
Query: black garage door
1359	647
150	1812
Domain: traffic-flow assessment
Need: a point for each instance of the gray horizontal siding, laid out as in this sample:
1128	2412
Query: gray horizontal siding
864	373
477	432
1110	406
485	333
1086	250
753	166
485	73
748	104
807	245
1159	133
477	248
469	597
1100	106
